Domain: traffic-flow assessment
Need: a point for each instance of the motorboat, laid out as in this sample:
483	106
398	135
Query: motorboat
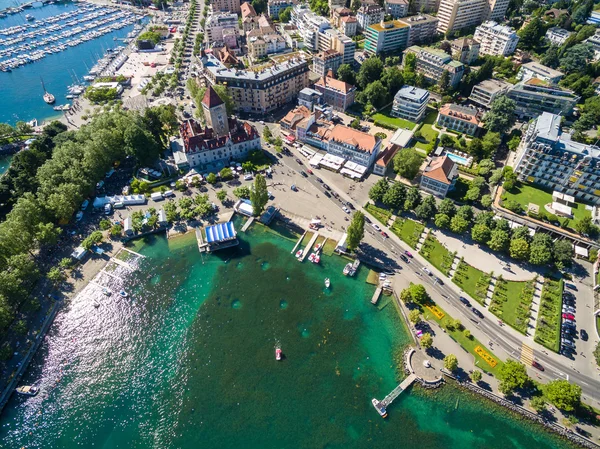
380	408
28	390
278	354
316	258
299	254
123	294
347	269
318	247
29	17
327	282
106	292
311	258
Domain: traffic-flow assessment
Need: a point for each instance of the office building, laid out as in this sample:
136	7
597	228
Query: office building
539	71
536	96
261	90
337	94
217	23
550	158
496	40
439	176
396	8
386	37
225	6
325	61
462	119
369	14
465	50
557	36
485	92
423	28
457	14
274	7
410	103
432	63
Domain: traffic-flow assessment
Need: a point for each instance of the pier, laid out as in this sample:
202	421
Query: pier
133	252
381	406
298	242
376	295
123	264
247	224
313	239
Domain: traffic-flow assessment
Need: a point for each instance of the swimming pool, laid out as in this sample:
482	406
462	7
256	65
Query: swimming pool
458	159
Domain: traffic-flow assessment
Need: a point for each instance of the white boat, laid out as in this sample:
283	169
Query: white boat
29	17
48	97
327	282
28	390
315	258
380	408
123	293
277	354
347	269
311	258
299	254
33	123
106	292
318	247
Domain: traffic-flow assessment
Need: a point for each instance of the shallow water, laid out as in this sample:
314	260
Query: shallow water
187	361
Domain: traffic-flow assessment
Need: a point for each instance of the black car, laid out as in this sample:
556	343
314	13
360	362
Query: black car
327	194
299	161
583	334
571	286
319	179
303	173
477	312
439	281
367	219
350	205
326	187
404	258
465	301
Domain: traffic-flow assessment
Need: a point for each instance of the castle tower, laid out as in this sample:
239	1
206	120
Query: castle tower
215	112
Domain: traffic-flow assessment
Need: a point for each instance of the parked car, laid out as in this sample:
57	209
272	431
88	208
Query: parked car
327	194
583	334
465	301
568	344
477	312
367	219
319	179
404	258
568	316
536	365
384	234
350	205
108	209
567	324
569	321
568	309
408	253
79	216
303	173
571	286
247	177
309	171
345	209
376	227
439	281
299	161
427	270
327	188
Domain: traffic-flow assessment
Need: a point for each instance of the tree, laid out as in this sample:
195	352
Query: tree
267	134
355	124
444	82
501	116
211	178
414	316
451	362
577	57
395	197
597	354
562	253
497	176
346	74
260	6
442	221
486	201
242	192
418	293
116	230
485	166
356	231
392	79
407	163
259	195
427	209
584	225
550	58
519	249
540	250
447	207
55	276
538	404
490	143
226	174
379	189
370	70
426	340
499	240
374	93
476	376
564	395
512	375
480	233
222	195
285	15
413	198
531	34
459	224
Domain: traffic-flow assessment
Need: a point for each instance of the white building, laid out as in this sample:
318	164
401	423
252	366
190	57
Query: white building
309	26
456	14
539	71
368	14
487	91
353	145
217	23
396	8
495	39
557	36
410	103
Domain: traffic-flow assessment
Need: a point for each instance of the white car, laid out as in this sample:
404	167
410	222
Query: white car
262	123
345	209
247	177
376	227
79	216
427	270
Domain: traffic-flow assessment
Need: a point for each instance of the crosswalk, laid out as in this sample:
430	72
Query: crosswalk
526	355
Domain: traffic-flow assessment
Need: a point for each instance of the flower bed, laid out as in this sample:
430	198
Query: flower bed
486	356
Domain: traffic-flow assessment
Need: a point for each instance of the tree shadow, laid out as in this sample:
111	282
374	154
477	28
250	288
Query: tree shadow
435	353
377	257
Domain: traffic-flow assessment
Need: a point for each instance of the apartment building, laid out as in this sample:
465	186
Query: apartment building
495	39
396	8
217	23
309	26
274	7
557	36
349	26
333	4
386	37
536	96
462	119
428	6
495	10
337	94
548	157
487	91
432	63
262	43
261	90
249	17
465	50
226	6
539	71
423	28
369	14
325	61
594	41
354	146
410	103
457	14
439	176
335	40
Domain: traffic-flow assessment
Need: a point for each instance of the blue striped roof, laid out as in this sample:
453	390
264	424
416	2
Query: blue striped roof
220	232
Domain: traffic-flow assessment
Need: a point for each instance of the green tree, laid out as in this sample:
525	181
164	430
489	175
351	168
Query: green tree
538	404
427	209
451	362
447	207
426	340
413	198
540	250
459	225
486	201
476	376
442	221
260	6
418	293
519	249
226	174
577	57
370	71
499	240
490	143
116	230
222	195
512	375
104	225
531	34
355	231
267	135
355	124
501	116
346	73
562	253
242	192
55	276
395	197
374	93
211	178
407	163
550	58
414	316
564	395
379	189
392	79
285	15
444	82
259	195
597	354
480	233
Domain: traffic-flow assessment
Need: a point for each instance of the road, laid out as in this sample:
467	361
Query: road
487	329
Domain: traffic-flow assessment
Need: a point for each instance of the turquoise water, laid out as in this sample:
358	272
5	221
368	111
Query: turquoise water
4	163
187	361
21	89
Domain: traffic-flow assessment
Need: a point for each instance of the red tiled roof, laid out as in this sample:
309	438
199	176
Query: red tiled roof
439	169
211	98
196	138
247	10
332	83
387	155
351	136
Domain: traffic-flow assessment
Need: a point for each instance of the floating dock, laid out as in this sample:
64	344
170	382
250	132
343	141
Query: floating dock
123	264
313	239
376	295
298	243
247	224
381	406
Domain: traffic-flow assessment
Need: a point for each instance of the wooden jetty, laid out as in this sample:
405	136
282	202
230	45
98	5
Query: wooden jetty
298	243
381	406
376	295
313	239
247	224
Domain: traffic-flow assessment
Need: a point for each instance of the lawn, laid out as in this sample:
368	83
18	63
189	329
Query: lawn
408	230
437	254
511	302
527	193
473	281
468	343
427	132
383	215
547	331
385	118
